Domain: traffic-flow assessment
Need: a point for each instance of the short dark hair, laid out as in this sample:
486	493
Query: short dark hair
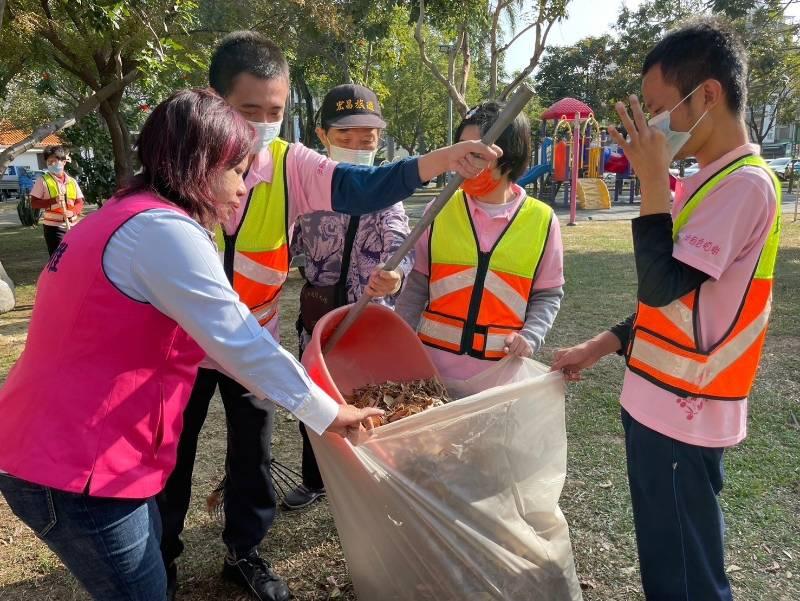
245	52
515	139
703	48
55	151
188	141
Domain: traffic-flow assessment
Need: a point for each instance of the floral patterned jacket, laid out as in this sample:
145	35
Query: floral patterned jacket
320	237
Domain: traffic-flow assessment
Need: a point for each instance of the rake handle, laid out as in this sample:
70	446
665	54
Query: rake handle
514	106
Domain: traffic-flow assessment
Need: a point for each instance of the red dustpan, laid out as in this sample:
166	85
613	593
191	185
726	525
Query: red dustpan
378	347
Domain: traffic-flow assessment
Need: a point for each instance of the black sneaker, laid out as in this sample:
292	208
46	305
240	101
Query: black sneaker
172	581
256	575
301	497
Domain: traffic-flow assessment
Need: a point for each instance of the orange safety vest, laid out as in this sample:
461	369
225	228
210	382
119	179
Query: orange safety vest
55	213
665	346
477	298
258	253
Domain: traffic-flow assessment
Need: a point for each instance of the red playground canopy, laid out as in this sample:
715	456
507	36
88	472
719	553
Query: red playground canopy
568	107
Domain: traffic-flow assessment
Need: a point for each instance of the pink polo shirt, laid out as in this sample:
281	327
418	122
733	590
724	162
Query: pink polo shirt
308	180
723	238
488	228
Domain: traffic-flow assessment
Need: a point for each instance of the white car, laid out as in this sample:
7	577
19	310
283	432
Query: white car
782	167
691	170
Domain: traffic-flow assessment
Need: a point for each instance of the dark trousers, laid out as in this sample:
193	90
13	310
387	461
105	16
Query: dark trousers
679	524
109	545
250	502
52	237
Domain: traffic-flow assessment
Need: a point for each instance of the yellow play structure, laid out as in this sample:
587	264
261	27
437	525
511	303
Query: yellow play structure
592	190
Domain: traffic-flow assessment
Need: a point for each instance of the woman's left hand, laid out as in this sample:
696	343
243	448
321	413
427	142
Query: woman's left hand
517	346
383	283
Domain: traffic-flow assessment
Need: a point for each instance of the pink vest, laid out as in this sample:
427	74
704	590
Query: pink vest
95	403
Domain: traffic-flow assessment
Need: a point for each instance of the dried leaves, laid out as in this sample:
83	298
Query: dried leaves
399	399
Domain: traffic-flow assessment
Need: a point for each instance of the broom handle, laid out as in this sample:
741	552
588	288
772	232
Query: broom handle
514	106
63	204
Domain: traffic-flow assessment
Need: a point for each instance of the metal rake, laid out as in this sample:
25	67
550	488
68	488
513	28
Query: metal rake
284	480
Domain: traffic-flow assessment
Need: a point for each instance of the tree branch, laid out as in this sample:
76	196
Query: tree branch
539	45
77	73
516	37
51	36
85	107
451	90
70	10
46	7
2	12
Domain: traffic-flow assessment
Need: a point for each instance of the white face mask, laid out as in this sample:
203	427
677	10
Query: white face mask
354	157
265	133
675	139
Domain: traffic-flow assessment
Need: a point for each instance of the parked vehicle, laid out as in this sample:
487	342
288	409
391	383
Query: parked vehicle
17	181
691	170
782	167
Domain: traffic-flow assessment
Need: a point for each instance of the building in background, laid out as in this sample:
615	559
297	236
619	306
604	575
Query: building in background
32	160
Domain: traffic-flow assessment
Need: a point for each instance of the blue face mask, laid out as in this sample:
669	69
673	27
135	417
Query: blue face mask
675	139
56	169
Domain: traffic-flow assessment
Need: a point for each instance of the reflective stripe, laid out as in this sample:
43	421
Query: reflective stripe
58	216
266	312
701	372
736	346
452	283
258	273
496	343
506	293
440	331
680	316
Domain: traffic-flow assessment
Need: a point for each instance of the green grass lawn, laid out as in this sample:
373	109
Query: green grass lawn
761	496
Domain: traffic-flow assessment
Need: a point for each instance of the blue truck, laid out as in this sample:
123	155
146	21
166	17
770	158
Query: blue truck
16	181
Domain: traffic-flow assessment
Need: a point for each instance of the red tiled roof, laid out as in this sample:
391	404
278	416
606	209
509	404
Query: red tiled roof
10	135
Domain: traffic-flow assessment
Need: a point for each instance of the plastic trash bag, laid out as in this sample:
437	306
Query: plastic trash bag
459	502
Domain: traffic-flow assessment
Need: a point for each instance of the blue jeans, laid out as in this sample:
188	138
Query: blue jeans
679	524
110	545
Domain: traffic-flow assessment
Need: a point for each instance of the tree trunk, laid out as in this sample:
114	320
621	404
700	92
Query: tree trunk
465	64
346	64
309	125
86	106
120	141
493	74
2	11
368	66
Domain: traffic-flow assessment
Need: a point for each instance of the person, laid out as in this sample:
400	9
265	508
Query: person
135	296
59	194
704	271
343	253
488	274
284	181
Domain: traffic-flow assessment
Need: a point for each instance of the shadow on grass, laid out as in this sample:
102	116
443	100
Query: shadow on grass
56	585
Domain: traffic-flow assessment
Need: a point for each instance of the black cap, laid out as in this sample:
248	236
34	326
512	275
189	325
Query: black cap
351	105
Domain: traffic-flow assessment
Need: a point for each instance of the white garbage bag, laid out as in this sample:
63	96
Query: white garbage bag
460	502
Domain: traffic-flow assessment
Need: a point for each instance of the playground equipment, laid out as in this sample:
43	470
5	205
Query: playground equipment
617	163
544	168
573	157
592	192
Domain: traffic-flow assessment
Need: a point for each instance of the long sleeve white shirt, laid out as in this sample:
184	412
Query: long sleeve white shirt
169	261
